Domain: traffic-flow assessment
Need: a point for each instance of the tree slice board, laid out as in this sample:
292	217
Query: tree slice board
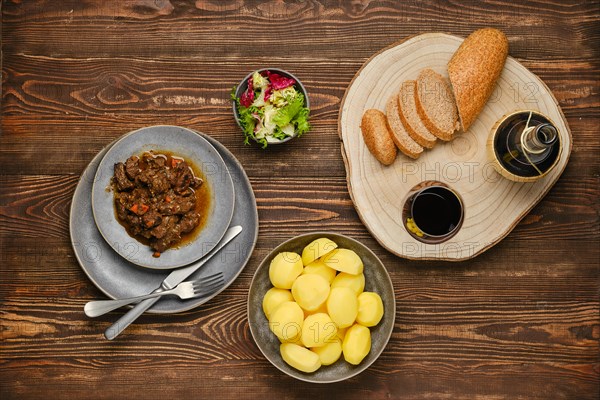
493	204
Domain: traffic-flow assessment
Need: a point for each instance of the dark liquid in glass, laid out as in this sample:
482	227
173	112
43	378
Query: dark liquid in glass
436	211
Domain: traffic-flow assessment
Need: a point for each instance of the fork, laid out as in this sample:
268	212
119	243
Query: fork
185	290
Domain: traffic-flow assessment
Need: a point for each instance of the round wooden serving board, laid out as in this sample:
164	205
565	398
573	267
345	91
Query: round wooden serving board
493	204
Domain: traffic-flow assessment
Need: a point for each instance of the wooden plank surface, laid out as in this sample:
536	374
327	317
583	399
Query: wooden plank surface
521	321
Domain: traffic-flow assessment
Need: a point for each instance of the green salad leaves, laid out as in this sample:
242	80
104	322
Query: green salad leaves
271	109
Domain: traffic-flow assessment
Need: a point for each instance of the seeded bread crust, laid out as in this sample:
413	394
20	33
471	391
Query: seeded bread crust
378	137
474	70
410	116
436	105
401	138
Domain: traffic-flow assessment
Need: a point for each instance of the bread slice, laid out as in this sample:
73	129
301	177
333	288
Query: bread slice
474	70
436	105
378	137
410	117
401	138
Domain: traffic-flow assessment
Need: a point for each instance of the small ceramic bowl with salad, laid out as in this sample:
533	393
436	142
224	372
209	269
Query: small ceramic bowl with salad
271	106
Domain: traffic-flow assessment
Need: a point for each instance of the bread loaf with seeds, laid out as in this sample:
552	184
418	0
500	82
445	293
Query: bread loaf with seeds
474	69
401	138
410	117
377	136
435	104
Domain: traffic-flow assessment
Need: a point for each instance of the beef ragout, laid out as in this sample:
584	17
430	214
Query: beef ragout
159	199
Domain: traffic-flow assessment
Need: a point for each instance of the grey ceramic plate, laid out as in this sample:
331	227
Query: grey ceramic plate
118	278
377	280
192	147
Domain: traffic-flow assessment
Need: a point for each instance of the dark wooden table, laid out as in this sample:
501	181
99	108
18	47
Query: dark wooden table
521	321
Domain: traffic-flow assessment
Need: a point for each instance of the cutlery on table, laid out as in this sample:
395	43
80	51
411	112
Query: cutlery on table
185	290
174	279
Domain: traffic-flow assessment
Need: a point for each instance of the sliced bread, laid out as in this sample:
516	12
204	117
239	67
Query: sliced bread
405	143
378	137
410	117
474	69
436	105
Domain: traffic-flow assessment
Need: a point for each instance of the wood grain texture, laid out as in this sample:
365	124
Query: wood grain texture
520	321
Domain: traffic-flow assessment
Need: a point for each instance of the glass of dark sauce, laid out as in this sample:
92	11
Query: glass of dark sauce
433	212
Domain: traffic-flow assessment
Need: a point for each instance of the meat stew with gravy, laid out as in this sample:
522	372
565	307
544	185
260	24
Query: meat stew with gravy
159	199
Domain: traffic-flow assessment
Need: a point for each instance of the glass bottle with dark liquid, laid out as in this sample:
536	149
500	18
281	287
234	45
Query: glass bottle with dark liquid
527	144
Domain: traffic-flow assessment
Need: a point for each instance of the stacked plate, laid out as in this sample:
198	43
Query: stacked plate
122	267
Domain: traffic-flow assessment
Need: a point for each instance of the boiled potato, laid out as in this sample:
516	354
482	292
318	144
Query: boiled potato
310	291
299	357
297	340
342	306
341	333
284	269
316	249
330	352
344	260
273	298
318	314
286	321
320	268
370	309
357	344
354	282
318	330
321	309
